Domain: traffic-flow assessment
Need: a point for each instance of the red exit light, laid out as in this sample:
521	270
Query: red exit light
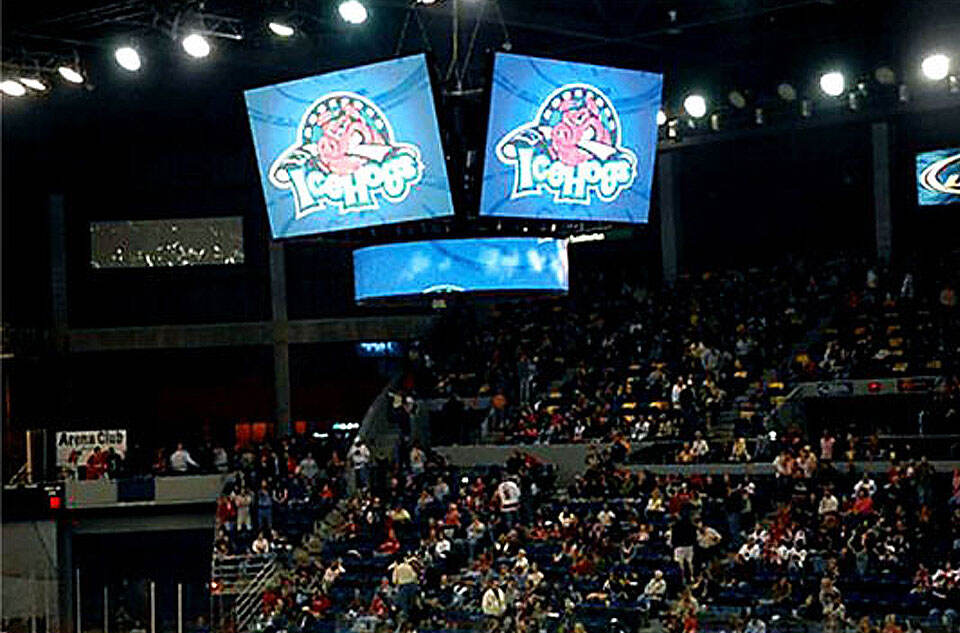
55	502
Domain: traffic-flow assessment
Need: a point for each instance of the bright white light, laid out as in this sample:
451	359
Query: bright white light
832	83
353	11
695	106
70	74
661	117
12	88
278	28
33	84
935	67
128	58
196	45
426	1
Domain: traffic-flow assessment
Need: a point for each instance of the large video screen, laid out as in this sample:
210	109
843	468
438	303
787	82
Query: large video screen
570	141
938	177
461	265
349	149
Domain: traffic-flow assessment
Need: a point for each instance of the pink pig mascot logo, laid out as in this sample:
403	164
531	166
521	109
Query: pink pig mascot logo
572	149
345	156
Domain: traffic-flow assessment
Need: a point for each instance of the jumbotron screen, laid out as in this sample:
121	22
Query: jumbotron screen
461	265
570	141
938	177
348	149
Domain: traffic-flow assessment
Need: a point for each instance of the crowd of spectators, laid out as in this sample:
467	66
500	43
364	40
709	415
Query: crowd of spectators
812	538
503	548
664	364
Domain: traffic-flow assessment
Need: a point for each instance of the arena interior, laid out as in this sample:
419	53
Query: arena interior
480	316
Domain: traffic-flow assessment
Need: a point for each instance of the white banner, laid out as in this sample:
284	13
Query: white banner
75	447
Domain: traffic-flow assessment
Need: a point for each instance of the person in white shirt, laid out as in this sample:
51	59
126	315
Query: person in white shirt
654	592
442	548
494	602
309	467
828	504
700	448
867	484
260	544
606	517
359	458
508	494
180	460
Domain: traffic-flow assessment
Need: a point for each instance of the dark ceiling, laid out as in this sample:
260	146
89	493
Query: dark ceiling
714	46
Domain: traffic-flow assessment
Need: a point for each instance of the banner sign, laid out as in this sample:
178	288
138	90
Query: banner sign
570	141
464	265
938	177
349	149
75	447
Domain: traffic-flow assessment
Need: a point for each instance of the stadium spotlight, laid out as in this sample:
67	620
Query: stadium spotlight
196	45
737	99
353	11
12	88
661	117
787	92
832	83
128	58
281	29
71	74
935	67
695	105
34	84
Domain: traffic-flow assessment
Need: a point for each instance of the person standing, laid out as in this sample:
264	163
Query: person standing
359	458
181	461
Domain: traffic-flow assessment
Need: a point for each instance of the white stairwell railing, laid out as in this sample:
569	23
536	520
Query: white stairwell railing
250	598
244	578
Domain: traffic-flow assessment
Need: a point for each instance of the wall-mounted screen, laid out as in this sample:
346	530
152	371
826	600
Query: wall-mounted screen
570	141
348	149
938	177
461	265
167	243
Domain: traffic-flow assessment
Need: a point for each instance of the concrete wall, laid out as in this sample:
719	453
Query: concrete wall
570	459
102	493
30	572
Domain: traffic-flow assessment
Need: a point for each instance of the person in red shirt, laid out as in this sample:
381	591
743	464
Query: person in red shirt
391	545
863	504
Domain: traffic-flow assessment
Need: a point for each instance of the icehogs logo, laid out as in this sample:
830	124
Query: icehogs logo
346	156
572	149
942	176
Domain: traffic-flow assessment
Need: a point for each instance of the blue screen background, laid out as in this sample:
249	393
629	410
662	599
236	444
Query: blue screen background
462	265
401	89
520	85
928	197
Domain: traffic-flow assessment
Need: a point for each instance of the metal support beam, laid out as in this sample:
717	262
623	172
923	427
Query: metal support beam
58	269
880	137
669	223
281	337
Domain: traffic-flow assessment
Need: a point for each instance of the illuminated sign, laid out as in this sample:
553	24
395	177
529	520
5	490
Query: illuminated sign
346	157
348	149
461	265
571	149
570	141
938	177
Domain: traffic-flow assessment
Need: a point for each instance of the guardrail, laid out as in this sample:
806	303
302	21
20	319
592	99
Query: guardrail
154	491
